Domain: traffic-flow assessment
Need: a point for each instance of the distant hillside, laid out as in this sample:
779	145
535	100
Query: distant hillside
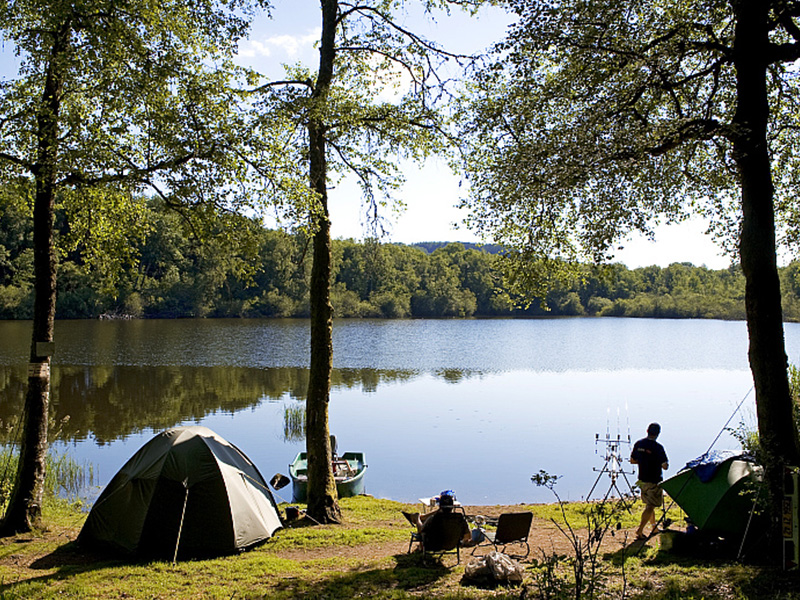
488	248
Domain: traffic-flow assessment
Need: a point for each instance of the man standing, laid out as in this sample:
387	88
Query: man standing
651	458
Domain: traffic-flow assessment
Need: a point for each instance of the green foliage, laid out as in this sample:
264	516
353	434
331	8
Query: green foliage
146	102
596	120
65	478
238	269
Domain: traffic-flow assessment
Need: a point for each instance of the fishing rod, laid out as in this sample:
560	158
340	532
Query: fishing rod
613	465
664	512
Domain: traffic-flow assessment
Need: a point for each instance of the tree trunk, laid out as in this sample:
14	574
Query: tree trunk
322	498
25	503
767	353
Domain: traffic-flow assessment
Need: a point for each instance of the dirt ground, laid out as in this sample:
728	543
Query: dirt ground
544	538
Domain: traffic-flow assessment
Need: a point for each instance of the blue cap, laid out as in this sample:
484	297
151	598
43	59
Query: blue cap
448	493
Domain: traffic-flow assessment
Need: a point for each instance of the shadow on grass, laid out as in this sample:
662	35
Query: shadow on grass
773	583
650	552
709	571
71	557
410	574
68	560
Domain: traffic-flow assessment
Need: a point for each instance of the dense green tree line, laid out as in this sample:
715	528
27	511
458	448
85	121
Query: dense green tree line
267	274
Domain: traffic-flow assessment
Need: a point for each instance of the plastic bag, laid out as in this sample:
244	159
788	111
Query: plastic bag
504	568
477	569
495	565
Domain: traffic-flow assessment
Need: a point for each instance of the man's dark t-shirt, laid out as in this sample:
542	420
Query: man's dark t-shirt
649	456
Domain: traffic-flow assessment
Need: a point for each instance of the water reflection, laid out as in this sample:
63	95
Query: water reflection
109	403
476	406
424	345
483	436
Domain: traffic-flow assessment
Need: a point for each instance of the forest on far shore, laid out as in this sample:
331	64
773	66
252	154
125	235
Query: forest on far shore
169	272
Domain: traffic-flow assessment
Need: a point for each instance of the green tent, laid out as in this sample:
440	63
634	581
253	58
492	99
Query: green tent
712	491
188	491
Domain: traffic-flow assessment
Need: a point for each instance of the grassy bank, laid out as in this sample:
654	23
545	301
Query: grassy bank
366	558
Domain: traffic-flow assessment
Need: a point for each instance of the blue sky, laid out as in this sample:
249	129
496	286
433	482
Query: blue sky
432	191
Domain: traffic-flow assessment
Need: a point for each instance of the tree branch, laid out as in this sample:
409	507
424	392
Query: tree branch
694	129
307	83
364	10
406	66
783	53
135	173
16	161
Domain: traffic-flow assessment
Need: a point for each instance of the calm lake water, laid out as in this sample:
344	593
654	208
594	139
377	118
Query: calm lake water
476	406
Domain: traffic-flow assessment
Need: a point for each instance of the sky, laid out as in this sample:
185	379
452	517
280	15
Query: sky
432	192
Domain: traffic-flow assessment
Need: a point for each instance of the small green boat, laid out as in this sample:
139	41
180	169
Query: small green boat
348	471
714	493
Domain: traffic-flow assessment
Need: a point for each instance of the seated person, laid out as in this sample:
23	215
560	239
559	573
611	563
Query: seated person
445	502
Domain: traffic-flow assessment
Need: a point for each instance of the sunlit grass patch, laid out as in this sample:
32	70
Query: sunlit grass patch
367	520
339	562
578	512
365	509
300	538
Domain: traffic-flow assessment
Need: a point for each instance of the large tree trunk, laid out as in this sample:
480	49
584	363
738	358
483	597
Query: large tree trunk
767	353
24	507
322	499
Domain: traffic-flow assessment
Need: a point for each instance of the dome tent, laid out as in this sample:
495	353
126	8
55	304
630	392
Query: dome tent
186	490
713	492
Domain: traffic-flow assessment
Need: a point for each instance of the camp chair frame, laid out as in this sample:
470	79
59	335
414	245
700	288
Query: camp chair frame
512	528
442	536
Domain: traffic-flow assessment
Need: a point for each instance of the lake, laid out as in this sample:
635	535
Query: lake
476	406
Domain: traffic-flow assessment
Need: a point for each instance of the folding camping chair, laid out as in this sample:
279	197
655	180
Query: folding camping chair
512	528
442	535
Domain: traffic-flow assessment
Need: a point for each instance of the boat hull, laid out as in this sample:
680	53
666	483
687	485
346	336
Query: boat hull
352	484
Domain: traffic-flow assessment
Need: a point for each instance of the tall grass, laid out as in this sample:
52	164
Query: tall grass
64	478
294	423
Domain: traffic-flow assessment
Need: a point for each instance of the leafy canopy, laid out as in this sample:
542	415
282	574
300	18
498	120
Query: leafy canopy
599	118
382	106
149	102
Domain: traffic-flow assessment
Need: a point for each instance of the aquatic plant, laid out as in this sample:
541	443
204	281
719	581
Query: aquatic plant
65	477
294	423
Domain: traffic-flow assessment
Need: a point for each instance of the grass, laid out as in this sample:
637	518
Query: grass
294	422
65	478
577	514
364	558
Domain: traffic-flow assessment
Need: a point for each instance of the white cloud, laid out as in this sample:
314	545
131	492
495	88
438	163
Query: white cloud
253	48
288	45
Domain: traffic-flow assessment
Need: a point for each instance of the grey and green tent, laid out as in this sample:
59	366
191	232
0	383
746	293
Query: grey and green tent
186	489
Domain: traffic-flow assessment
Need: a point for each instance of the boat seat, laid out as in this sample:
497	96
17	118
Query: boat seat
342	468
